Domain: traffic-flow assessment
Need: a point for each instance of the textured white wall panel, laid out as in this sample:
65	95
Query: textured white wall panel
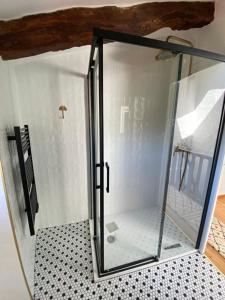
58	145
136	88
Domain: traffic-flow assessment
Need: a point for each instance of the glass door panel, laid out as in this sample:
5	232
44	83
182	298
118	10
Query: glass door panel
136	150
199	109
97	184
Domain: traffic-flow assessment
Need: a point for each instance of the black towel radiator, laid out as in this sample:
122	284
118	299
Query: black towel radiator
22	139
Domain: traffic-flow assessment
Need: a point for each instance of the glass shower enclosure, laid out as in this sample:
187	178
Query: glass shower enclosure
156	120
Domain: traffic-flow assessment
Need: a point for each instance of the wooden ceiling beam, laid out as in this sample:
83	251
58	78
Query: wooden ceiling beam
36	34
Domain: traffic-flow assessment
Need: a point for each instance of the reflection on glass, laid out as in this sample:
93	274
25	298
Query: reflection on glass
200	101
190	122
136	106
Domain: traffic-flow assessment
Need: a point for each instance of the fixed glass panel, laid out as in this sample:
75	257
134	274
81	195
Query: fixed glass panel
91	139
97	151
136	149
199	108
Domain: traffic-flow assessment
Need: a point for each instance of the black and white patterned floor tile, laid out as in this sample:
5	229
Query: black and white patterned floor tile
63	270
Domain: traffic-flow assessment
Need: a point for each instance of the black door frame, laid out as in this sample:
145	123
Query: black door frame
99	36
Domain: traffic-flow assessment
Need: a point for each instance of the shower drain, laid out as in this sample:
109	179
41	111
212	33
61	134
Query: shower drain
178	245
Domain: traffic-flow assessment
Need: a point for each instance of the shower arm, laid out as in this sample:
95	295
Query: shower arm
179	148
179	39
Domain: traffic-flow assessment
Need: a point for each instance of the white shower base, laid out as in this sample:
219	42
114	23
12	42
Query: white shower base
138	235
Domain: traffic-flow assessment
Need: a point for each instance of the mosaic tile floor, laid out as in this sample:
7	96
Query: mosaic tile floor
137	237
63	270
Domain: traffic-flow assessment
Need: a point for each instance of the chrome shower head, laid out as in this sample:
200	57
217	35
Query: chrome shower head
165	55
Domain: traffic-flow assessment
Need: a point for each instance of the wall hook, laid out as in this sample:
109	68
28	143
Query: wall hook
62	108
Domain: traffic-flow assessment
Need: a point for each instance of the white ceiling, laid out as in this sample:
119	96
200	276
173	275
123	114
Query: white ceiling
11	9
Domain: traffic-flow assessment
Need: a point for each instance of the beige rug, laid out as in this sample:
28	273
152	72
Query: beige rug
217	236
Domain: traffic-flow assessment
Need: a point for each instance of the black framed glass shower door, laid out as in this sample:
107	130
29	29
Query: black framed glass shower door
128	196
132	143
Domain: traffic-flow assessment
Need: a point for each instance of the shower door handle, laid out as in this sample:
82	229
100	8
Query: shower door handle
97	185
107	177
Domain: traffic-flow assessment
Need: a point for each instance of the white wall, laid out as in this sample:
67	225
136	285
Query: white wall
40	86
8	156
12	282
